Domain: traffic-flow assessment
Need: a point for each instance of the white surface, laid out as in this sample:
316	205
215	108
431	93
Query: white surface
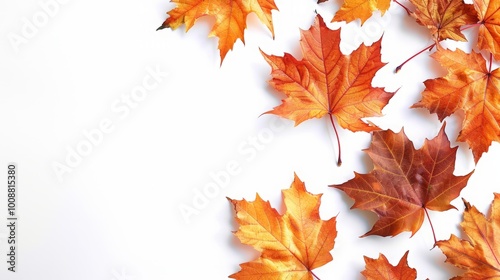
116	215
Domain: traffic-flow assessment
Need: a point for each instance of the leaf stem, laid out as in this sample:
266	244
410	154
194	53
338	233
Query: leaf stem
413	56
491	63
404	7
468	26
315	276
432	227
339	160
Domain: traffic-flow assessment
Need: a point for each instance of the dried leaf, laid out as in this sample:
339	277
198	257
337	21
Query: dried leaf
230	18
444	18
292	244
362	9
405	181
381	269
327	82
471	87
489	30
480	254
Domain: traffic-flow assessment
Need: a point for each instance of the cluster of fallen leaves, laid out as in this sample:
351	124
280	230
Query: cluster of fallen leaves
291	245
405	182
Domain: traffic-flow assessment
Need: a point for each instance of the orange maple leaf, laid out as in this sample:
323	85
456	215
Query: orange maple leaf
471	87
444	18
480	255
405	182
327	82
292	244
381	269
230	18
489	30
362	9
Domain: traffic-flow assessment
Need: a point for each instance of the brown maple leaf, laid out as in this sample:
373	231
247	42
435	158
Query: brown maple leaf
480	254
405	182
489	30
362	9
444	18
327	82
381	269
471	87
292	244
230	17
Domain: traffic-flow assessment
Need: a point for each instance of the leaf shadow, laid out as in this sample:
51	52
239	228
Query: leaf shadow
367	217
409	23
438	261
366	162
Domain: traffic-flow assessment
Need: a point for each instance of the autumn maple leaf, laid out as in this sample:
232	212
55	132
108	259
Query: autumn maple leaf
381	269
362	9
292	244
471	87
405	182
480	255
230	17
444	18
327	82
489	30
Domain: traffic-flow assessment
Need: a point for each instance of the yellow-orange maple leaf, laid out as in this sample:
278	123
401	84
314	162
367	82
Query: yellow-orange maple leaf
480	254
362	9
381	269
489	30
230	17
471	87
292	244
444	18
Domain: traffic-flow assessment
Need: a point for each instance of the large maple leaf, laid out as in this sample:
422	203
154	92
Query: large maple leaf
327	82
362	9
480	254
381	269
489	31
230	17
444	18
471	87
405	182
292	244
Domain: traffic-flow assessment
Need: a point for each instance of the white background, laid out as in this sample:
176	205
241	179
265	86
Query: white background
116	215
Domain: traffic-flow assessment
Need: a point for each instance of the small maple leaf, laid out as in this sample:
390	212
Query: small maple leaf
362	9
327	82
471	87
405	182
381	269
444	18
230	18
489	31
292	244
480	255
